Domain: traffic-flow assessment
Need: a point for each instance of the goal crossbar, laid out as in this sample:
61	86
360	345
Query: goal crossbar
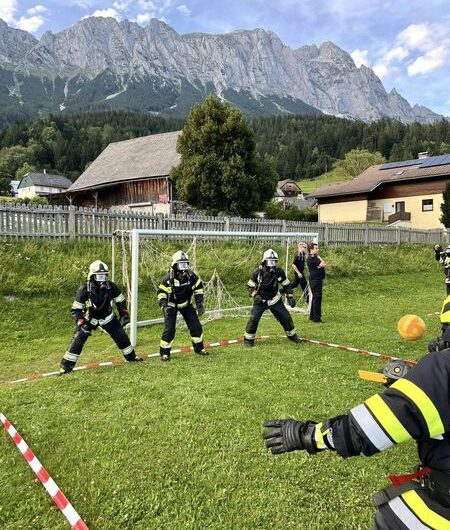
136	233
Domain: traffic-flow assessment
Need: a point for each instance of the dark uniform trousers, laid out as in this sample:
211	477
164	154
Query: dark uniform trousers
113	328
303	286
278	310
192	321
316	304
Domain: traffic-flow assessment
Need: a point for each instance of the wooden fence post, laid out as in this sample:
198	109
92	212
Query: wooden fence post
366	235
326	235
72	222
399	235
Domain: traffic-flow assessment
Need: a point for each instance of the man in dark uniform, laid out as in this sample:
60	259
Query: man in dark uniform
174	294
299	271
91	309
444	258
316	267
263	288
416	406
443	341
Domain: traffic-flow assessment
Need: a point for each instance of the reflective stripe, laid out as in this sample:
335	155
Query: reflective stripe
251	283
405	515
286	282
127	350
423	403
104	321
445	312
318	437
198	283
164	344
291	333
164	288
196	340
78	305
387	419
274	300
199	291
119	298
162	295
425	514
73	357
94	321
184	304
370	427
249	336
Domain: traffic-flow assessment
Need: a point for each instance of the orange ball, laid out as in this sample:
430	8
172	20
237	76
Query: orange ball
411	327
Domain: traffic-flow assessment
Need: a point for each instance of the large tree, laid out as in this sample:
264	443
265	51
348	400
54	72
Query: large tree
219	169
445	207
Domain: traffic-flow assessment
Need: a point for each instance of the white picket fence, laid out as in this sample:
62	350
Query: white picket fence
63	222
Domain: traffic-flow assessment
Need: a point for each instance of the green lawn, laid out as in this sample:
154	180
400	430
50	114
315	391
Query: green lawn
310	185
178	446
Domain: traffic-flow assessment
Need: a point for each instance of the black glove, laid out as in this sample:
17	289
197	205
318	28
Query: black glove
291	301
290	435
163	304
84	326
200	310
124	318
257	299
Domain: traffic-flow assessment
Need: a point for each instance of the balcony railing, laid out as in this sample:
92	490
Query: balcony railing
399	216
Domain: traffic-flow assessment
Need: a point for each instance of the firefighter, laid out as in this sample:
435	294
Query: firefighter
443	341
416	406
93	308
299	271
444	258
263	287
174	294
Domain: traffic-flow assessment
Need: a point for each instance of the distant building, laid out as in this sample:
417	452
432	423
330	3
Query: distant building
407	193
289	193
129	175
41	184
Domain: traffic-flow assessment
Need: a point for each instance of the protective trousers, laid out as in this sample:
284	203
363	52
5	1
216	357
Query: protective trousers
316	304
278	310
303	286
170	321
113	328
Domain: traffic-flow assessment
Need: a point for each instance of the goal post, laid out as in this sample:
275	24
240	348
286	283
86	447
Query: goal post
136	234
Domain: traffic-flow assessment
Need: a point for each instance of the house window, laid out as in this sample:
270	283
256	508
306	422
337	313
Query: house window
399	206
427	205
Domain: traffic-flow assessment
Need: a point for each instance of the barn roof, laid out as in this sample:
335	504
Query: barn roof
146	157
45	179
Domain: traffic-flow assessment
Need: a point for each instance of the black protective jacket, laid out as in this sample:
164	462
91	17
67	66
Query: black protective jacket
178	293
266	281
95	303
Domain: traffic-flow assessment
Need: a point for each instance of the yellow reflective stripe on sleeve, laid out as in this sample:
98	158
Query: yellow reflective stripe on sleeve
251	283
423	403
318	437
425	514
119	298
162	295
387	419
199	291
164	288
78	305
445	312
197	283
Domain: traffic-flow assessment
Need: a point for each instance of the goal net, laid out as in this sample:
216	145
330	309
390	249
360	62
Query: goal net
224	260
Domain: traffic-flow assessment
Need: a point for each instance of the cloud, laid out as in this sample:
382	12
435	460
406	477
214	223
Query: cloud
360	57
395	54
432	60
381	69
416	37
144	18
36	10
184	10
30	24
147	4
8	9
105	13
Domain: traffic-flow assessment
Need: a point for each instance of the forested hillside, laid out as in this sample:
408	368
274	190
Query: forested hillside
301	146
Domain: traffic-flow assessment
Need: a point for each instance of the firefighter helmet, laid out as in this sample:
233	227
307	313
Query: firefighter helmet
180	261
270	258
99	271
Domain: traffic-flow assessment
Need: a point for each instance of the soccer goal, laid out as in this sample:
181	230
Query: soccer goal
223	259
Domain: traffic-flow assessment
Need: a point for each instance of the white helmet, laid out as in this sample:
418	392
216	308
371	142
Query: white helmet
99	271
270	258
180	261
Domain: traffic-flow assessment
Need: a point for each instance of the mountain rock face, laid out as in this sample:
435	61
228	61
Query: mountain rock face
100	63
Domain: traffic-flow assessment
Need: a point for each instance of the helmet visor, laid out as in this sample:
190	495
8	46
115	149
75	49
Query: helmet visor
183	265
271	262
101	277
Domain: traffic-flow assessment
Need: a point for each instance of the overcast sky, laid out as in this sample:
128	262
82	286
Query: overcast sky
406	42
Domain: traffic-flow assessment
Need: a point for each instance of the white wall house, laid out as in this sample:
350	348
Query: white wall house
41	184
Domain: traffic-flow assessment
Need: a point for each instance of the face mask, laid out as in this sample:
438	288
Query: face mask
271	262
183	266
100	277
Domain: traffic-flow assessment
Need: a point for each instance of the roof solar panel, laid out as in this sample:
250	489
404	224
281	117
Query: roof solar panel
433	161
403	163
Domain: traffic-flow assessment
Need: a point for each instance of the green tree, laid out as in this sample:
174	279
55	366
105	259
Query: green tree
23	170
356	161
219	169
445	207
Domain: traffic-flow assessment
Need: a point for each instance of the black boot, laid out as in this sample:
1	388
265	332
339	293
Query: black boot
202	352
294	338
249	343
165	357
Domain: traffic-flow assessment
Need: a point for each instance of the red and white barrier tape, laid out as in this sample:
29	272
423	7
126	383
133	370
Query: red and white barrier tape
356	350
42	474
115	362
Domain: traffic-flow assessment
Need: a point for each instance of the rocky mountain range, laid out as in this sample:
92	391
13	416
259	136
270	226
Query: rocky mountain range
100	63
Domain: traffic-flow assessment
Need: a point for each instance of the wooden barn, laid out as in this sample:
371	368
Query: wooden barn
130	175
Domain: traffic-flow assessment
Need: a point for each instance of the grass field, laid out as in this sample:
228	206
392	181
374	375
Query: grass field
179	446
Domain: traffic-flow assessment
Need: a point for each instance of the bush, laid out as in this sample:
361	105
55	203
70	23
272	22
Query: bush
275	210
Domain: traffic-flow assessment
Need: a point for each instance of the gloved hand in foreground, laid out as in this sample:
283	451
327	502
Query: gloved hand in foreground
289	435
